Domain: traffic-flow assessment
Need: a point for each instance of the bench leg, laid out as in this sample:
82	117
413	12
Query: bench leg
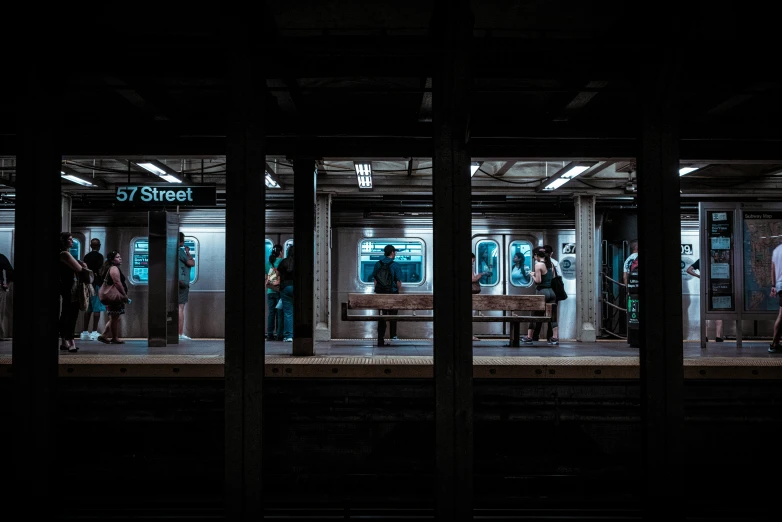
515	340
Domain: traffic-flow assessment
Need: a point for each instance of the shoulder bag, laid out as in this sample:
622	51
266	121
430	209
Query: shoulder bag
108	293
558	286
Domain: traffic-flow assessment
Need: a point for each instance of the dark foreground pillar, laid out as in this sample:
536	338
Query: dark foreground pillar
244	310
659	237
452	265
37	302
304	184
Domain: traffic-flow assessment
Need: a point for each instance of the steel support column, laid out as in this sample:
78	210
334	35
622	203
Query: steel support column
322	281
244	332
36	305
452	298
586	265
305	182
659	233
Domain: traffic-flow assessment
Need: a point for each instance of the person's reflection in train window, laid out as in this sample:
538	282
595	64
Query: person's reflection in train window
520	272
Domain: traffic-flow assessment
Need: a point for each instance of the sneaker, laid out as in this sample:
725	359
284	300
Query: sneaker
395	338
288	339
525	340
94	336
774	349
184	338
719	339
85	336
553	340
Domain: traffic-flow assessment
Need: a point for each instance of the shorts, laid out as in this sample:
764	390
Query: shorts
184	295
95	306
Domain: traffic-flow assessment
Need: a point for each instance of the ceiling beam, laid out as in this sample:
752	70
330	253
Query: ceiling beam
505	168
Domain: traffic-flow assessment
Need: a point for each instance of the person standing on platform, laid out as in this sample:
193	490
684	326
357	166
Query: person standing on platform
285	271
94	261
274	319
476	285
542	276
111	275
549	250
387	277
695	270
776	291
6	298
69	309
185	262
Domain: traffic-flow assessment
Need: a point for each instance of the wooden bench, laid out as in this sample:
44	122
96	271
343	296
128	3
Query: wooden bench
414	303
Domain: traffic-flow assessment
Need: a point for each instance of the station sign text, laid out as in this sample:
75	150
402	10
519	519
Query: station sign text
153	194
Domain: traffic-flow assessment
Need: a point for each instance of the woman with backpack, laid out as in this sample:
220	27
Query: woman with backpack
285	274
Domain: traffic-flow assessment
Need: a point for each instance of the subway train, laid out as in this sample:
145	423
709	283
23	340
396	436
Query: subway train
357	241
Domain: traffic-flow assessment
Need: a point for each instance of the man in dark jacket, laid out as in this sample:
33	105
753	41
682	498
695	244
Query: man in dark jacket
389	286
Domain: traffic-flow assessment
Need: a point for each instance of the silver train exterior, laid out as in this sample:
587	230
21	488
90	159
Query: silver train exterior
206	309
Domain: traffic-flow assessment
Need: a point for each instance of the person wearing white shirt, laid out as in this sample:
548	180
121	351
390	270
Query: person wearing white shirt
776	291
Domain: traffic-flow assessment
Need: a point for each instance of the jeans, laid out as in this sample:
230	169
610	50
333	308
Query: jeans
274	319
287	309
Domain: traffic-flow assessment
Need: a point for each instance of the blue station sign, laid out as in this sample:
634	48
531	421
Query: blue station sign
166	195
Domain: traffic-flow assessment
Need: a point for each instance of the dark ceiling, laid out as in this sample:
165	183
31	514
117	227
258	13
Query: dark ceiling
551	81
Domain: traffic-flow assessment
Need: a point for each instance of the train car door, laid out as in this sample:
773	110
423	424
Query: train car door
489	260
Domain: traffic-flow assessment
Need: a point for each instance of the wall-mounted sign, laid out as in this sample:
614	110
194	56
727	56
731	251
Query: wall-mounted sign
166	194
719	234
567	265
686	249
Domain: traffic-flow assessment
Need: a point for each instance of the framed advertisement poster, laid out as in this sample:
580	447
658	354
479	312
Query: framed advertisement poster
719	265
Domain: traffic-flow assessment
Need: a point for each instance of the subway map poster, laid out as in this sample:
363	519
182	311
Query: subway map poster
762	234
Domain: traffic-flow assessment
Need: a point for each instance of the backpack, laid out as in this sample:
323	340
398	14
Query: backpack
385	278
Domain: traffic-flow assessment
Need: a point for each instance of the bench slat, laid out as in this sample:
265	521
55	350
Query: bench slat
508	302
390	301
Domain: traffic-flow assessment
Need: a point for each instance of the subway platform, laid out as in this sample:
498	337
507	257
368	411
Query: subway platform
409	359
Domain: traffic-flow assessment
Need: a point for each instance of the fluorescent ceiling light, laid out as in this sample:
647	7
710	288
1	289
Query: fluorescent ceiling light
154	169
686	170
474	166
270	181
565	174
160	170
364	175
76	179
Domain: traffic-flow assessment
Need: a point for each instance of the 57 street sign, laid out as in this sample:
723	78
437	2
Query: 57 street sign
159	195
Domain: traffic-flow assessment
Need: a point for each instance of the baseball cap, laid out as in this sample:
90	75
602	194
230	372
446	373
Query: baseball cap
389	248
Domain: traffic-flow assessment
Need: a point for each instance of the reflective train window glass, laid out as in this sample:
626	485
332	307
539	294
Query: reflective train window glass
287	244
520	259
192	244
409	257
269	245
139	259
76	249
487	261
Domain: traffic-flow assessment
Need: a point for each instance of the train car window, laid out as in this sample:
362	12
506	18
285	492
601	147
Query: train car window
409	257
287	244
487	260
520	258
192	243
76	249
139	259
268	246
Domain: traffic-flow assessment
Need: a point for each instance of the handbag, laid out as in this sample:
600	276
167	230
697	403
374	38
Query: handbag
558	286
108	294
82	293
273	280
